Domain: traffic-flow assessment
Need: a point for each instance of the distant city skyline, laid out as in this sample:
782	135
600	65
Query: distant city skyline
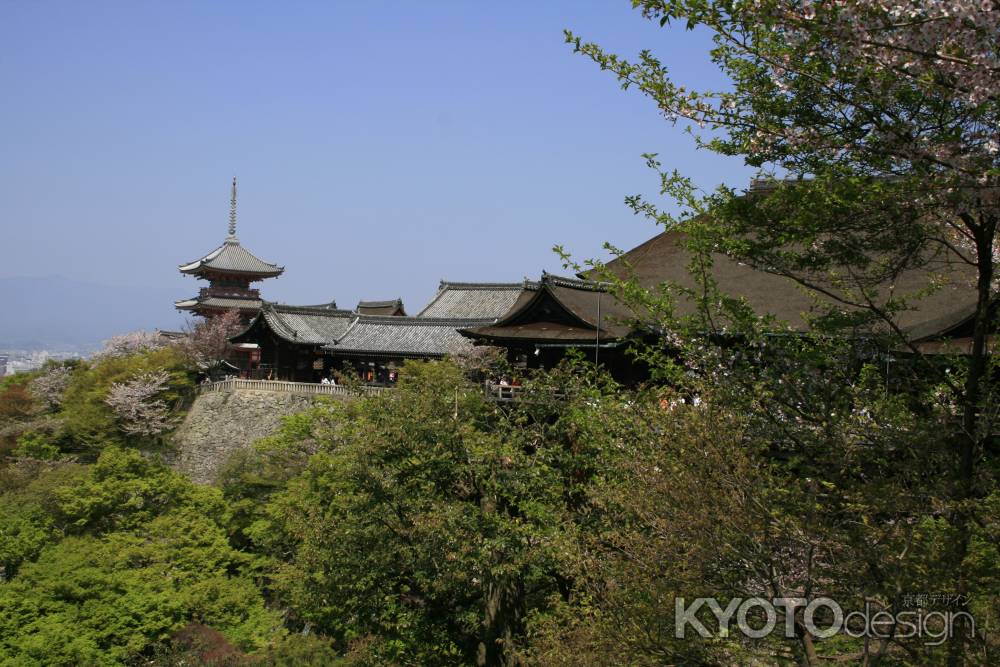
380	147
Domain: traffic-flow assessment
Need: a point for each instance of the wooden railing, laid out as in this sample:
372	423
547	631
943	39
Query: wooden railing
502	392
309	388
506	392
239	292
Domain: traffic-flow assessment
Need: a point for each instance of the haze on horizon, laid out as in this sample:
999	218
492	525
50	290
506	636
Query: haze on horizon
380	147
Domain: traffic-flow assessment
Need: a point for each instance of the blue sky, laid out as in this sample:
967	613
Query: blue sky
380	146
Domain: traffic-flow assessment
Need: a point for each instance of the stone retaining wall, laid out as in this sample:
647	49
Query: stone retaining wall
222	422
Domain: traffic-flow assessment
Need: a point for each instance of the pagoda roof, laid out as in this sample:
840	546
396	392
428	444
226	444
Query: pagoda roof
231	257
218	303
473	300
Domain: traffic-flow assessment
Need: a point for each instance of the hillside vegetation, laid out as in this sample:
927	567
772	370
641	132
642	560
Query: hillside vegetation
430	526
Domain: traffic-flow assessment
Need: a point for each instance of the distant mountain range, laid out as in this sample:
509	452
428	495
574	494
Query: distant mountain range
57	313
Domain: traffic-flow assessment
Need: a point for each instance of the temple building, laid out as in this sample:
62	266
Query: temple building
535	321
229	269
308	343
555	314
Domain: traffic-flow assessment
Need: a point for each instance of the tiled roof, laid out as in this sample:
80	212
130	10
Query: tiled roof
472	300
331	306
592	303
380	304
221	303
231	257
560	310
404	336
665	259
348	332
390	307
308	325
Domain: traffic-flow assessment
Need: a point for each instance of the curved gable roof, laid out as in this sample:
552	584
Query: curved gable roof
306	325
563	310
231	257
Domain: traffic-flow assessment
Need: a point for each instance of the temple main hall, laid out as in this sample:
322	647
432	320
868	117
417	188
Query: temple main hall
534	321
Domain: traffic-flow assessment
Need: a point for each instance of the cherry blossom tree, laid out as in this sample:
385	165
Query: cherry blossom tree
136	405
900	91
50	385
876	126
479	361
208	340
131	343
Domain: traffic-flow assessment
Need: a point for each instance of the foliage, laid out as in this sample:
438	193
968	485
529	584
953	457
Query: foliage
428	525
117	397
307	650
18	410
897	87
123	490
250	477
885	118
89	422
116	556
35	445
481	362
196	644
99	563
21	410
16	402
430	521
29	510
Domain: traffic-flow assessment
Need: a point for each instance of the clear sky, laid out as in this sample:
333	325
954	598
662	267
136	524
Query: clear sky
380	146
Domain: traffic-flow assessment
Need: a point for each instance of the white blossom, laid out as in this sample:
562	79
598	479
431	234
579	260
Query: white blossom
50	386
136	405
131	343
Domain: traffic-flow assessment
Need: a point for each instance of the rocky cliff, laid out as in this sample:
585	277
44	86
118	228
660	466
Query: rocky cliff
220	423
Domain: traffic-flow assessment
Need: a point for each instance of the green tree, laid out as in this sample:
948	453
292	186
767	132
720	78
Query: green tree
29	511
432	526
109	560
252	476
884	116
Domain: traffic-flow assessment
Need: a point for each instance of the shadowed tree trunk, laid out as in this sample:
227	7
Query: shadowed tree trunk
504	619
971	437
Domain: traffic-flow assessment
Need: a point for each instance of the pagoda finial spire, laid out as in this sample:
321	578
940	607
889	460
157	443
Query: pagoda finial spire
232	212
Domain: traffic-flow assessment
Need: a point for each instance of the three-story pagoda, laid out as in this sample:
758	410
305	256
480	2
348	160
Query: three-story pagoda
229	270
